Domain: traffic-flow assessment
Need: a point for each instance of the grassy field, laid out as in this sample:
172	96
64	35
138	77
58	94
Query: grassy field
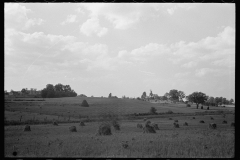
47	140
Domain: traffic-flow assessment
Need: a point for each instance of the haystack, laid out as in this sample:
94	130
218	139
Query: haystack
81	124
84	103
27	128
139	125
73	129
155	126
104	129
116	126
212	126
176	125
224	122
55	123
148	128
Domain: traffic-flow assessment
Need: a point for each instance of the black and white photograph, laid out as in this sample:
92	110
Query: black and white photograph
119	80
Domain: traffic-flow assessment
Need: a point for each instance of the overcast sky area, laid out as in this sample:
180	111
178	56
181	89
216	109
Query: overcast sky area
123	49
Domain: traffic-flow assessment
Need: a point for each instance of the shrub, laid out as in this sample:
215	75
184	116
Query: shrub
55	123
153	110
170	118
188	105
201	121
185	124
207	108
212	118
201	107
193	117
233	124
176	121
84	103
169	112
104	129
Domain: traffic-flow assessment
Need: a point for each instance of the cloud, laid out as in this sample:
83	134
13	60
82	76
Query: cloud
180	75
190	64
15	16
209	48
122	16
92	26
148	73
70	19
203	71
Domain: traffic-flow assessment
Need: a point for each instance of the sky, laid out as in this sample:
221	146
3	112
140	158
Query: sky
121	48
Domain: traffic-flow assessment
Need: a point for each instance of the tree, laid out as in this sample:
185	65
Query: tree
198	98
44	93
224	100
231	101
59	87
153	110
181	95
150	94
110	95
24	91
167	95
144	95
217	100
211	101
173	94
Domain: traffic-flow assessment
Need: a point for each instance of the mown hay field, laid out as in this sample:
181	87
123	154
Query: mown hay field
47	140
193	141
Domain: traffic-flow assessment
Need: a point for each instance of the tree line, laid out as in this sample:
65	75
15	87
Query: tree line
57	91
195	97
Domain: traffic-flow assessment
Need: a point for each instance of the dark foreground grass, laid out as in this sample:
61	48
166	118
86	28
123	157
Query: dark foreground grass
194	141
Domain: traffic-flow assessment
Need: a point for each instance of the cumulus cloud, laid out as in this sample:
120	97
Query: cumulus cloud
190	64
70	19
92	26
15	16
182	74
203	71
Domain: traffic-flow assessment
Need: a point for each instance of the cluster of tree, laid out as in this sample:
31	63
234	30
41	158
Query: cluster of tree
195	97
110	96
82	95
218	101
57	91
173	95
202	98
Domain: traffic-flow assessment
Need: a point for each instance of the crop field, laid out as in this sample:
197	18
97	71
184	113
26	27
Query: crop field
47	140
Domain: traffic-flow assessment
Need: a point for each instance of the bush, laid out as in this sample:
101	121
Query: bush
201	107
84	103
153	110
169	112
188	105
